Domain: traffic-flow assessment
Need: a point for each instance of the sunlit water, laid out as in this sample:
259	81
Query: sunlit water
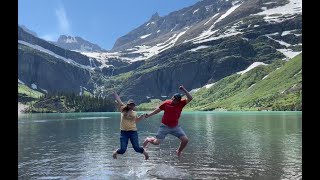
222	145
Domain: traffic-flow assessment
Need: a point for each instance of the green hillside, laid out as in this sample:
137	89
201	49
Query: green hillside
277	86
26	94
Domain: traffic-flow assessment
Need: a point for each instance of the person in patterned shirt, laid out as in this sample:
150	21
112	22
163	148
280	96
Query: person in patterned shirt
128	128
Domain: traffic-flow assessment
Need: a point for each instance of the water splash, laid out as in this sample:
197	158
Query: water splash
168	171
137	172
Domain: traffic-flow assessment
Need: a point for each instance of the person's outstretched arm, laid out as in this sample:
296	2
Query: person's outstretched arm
189	97
117	97
142	116
156	111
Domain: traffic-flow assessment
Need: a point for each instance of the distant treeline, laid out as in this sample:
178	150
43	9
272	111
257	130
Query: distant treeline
80	103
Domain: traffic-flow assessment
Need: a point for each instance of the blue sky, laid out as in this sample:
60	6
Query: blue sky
98	21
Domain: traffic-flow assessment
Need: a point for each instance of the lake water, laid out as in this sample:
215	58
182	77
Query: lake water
222	145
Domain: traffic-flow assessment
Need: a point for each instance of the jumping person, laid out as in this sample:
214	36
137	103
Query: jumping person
128	128
170	120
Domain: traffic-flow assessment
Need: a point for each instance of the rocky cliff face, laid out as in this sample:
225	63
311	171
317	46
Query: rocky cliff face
50	73
193	67
205	42
204	18
51	68
77	57
157	28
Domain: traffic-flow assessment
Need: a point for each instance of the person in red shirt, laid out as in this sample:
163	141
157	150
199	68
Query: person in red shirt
170	120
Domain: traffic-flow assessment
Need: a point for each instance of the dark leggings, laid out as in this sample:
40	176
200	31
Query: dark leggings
124	139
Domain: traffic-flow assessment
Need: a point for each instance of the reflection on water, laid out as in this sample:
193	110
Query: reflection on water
222	145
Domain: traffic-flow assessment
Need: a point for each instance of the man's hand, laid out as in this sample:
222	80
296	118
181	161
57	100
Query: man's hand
146	115
182	89
142	116
189	97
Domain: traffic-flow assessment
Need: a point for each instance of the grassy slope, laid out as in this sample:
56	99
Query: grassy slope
25	91
149	106
280	90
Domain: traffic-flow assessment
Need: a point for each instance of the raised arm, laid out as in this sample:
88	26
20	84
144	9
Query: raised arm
156	111
117	97
189	97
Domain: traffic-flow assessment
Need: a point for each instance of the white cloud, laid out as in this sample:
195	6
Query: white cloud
63	21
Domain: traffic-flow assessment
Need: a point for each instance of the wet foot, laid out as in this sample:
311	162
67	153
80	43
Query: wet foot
146	141
146	155
178	153
114	155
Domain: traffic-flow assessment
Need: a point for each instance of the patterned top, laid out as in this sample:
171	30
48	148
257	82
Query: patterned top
128	122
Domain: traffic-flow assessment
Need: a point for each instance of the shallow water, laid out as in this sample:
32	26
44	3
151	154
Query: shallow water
222	145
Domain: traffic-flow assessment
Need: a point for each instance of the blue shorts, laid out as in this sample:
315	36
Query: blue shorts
163	130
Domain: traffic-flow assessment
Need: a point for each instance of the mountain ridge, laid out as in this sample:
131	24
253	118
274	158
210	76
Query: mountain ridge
78	44
221	41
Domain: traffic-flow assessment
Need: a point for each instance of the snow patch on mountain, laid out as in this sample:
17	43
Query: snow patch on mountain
278	14
209	85
70	61
34	86
289	53
197	48
280	42
211	18
149	51
265	77
144	36
71	40
234	7
284	33
253	65
205	86
19	81
251	86
206	34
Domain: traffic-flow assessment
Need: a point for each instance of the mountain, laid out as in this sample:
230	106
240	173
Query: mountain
47	67
26	94
276	86
77	44
227	37
29	31
208	20
196	46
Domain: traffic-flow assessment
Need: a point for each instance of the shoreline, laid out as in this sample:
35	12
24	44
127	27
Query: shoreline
21	107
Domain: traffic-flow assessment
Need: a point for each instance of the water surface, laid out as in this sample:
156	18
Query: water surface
222	145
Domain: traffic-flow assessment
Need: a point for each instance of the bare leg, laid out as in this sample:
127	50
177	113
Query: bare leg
146	155
114	154
183	143
151	140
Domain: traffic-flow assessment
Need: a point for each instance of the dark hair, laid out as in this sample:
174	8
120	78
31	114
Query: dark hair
177	96
126	109
130	101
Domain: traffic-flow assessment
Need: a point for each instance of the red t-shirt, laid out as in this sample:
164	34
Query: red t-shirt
172	112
